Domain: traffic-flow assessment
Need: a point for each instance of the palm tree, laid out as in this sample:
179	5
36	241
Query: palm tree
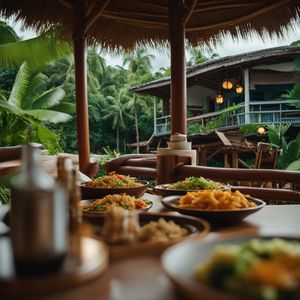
36	51
29	104
139	66
139	63
197	56
117	110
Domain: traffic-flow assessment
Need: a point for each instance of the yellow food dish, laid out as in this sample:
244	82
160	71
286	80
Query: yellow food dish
215	199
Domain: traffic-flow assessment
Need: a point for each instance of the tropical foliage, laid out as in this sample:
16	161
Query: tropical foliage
289	157
214	123
36	51
28	105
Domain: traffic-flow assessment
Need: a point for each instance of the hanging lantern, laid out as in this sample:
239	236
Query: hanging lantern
261	130
227	85
219	99
239	89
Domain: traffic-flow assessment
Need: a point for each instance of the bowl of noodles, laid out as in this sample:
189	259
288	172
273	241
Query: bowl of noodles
102	205
189	184
215	206
113	183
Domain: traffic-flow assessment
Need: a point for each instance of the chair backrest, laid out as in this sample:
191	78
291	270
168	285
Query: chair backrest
143	165
10	153
266	156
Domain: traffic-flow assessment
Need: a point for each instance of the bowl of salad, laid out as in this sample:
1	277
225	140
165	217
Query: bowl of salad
189	184
253	267
113	183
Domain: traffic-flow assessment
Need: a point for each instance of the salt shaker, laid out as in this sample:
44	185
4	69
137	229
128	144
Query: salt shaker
38	217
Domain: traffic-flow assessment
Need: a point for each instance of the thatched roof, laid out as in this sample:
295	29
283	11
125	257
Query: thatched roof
124	23
216	67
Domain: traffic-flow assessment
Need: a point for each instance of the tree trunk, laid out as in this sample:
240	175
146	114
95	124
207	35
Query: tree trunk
118	139
136	127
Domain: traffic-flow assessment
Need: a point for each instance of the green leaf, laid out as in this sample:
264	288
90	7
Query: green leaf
36	51
292	151
20	85
294	166
11	108
48	139
297	139
48	115
65	107
7	34
49	98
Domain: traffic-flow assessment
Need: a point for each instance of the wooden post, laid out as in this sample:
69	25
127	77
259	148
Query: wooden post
225	159
167	167
247	96
79	40
235	158
178	76
154	116
165	107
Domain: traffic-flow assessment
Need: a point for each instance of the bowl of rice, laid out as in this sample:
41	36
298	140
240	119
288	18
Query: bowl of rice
113	183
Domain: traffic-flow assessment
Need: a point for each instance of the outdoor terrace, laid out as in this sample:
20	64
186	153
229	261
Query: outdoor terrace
261	112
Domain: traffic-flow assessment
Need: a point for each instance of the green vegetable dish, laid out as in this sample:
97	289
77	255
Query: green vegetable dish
259	269
195	183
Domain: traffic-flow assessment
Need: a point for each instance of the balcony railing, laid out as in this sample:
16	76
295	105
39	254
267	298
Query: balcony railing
260	112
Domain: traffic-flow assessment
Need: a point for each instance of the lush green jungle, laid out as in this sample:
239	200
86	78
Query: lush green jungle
37	100
37	96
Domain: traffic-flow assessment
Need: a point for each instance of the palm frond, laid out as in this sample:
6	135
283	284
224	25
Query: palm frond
36	85
7	34
49	115
11	108
36	51
20	86
49	98
66	107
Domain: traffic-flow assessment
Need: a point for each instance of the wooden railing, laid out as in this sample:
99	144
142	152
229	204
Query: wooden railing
285	184
260	112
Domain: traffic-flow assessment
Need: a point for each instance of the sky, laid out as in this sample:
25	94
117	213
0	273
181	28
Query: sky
227	47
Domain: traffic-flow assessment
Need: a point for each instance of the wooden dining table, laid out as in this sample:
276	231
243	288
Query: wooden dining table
141	277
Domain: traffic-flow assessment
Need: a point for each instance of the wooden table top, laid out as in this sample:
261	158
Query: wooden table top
142	277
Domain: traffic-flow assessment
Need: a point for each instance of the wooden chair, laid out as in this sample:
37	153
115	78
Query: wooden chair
266	156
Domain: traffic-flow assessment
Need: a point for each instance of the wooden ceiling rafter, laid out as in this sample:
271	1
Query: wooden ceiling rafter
95	14
205	81
91	7
158	5
223	6
66	3
222	2
135	21
243	18
138	14
189	11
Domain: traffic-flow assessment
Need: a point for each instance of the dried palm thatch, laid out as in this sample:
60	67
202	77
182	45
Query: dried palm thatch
114	23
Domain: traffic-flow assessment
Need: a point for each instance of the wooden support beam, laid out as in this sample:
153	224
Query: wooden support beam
223	138
178	74
226	160
135	21
95	14
244	18
188	12
79	40
214	153
66	3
